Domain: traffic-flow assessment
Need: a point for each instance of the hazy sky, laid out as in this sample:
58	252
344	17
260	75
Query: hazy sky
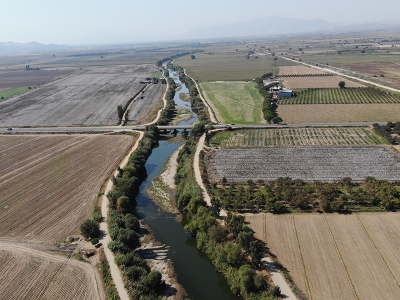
105	21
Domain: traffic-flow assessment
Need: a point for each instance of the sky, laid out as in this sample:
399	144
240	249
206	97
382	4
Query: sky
104	21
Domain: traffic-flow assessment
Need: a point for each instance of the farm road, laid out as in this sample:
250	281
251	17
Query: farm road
115	272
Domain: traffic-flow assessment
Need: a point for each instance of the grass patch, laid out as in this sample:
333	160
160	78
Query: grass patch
234	102
12	92
157	75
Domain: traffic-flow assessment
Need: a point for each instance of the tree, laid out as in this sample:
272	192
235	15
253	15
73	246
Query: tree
192	57
276	291
120	112
90	229
342	84
124	205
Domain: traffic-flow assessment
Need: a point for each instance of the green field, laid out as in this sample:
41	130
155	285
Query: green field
234	102
284	137
341	96
157	74
12	92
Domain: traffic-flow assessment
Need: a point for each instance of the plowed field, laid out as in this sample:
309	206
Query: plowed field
317	82
32	274
86	97
336	256
49	183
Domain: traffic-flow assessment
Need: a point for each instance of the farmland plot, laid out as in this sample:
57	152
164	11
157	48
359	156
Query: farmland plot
49	184
326	164
30	274
144	110
341	255
299	70
281	137
317	82
86	97
342	96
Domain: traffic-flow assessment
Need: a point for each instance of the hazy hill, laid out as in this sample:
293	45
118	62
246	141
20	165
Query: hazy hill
27	48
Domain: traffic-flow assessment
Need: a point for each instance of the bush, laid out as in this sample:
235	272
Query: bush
90	229
95	241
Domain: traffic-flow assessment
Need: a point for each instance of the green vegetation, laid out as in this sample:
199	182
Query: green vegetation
341	96
232	248
112	293
157	75
285	194
167	112
90	229
12	92
283	137
390	131
234	102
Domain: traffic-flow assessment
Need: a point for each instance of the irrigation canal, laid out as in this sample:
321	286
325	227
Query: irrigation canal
194	271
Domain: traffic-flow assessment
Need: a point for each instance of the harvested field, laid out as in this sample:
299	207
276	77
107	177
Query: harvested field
342	96
316	82
145	110
49	183
234	102
32	274
299	70
326	164
336	256
86	97
30	78
283	137
332	113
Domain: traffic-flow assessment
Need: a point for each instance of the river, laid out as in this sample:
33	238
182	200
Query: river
194	271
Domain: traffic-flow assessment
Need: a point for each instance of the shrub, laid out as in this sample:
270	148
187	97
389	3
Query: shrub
95	241
90	229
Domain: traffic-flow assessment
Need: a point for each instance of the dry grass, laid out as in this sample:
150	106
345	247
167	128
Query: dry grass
49	184
328	113
317	82
32	274
336	256
300	69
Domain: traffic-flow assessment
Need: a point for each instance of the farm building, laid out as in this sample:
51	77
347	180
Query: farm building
285	93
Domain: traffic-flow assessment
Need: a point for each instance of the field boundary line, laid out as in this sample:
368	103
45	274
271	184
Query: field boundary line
340	256
377	250
213	116
302	259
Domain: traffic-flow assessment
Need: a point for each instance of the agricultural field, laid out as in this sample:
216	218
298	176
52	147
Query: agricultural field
86	97
7	93
332	256
224	62
49	183
332	113
342	96
299	70
234	102
316	82
327	164
31	274
21	78
284	137
145	110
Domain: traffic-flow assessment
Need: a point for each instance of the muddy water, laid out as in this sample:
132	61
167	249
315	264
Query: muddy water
194	271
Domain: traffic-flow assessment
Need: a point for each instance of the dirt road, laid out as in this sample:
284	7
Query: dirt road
115	272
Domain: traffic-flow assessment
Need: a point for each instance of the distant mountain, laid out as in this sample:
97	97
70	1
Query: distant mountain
274	26
28	48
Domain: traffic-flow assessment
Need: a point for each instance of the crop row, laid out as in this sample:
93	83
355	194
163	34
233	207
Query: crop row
307	75
341	96
326	164
279	137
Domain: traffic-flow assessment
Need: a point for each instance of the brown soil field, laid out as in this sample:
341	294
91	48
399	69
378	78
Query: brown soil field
390	70
86	97
328	113
30	78
49	183
145	110
303	70
30	274
317	82
336	256
326	164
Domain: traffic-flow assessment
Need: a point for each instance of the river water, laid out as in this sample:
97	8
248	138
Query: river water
194	271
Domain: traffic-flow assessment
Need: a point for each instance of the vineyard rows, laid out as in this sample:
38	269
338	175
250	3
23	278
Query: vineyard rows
280	137
341	96
327	164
